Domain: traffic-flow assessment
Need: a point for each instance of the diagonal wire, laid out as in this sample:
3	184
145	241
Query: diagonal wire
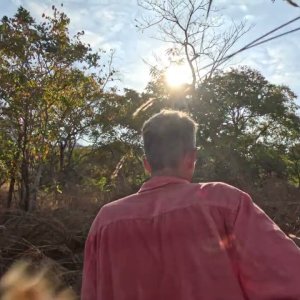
206	18
274	37
272	31
209	7
222	61
257	42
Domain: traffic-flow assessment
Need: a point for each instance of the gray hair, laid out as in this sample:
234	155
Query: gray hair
167	136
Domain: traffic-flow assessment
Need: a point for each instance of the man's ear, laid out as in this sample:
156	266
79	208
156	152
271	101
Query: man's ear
191	158
147	165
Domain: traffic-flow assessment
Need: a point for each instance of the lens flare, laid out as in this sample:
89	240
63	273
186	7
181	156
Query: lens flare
178	75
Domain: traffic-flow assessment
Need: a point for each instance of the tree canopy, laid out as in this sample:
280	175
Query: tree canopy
49	92
55	92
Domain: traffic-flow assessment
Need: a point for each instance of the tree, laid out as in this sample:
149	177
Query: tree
245	123
48	88
194	31
247	126
294	163
116	132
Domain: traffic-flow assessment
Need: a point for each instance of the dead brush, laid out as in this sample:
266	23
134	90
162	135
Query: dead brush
51	238
24	282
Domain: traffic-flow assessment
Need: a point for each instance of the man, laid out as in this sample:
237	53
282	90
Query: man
178	240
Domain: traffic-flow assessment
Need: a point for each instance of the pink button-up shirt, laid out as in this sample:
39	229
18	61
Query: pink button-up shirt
179	240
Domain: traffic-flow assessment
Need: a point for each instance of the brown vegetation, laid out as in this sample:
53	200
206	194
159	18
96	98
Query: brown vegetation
52	237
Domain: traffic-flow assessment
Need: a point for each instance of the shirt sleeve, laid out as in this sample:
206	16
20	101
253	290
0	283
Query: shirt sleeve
89	276
268	261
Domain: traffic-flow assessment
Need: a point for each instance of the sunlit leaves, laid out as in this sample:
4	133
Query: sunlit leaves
49	90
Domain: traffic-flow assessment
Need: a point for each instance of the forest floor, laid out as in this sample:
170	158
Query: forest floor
55	234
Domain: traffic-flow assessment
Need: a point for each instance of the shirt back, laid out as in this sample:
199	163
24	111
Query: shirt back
171	240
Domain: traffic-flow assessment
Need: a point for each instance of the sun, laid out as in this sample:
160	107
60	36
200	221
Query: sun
177	75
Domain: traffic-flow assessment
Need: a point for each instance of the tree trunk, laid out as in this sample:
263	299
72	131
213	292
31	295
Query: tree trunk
35	187
25	186
71	147
10	191
62	147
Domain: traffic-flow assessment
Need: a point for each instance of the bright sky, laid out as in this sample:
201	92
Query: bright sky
110	24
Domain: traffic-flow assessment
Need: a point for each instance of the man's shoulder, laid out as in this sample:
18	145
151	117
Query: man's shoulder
221	194
220	187
217	194
114	210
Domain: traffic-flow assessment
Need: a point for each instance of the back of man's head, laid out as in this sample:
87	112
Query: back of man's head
167	137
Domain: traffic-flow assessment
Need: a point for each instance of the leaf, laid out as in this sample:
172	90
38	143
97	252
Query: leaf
58	189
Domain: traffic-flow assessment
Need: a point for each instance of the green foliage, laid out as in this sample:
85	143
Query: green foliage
293	163
49	92
54	92
247	126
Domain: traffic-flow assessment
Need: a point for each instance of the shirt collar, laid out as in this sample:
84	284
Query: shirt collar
160	181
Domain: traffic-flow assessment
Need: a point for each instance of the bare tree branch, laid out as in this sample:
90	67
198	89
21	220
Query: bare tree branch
188	25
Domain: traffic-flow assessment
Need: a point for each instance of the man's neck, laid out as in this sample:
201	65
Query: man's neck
170	173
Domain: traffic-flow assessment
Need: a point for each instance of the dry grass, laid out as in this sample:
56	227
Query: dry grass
25	282
53	238
282	203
